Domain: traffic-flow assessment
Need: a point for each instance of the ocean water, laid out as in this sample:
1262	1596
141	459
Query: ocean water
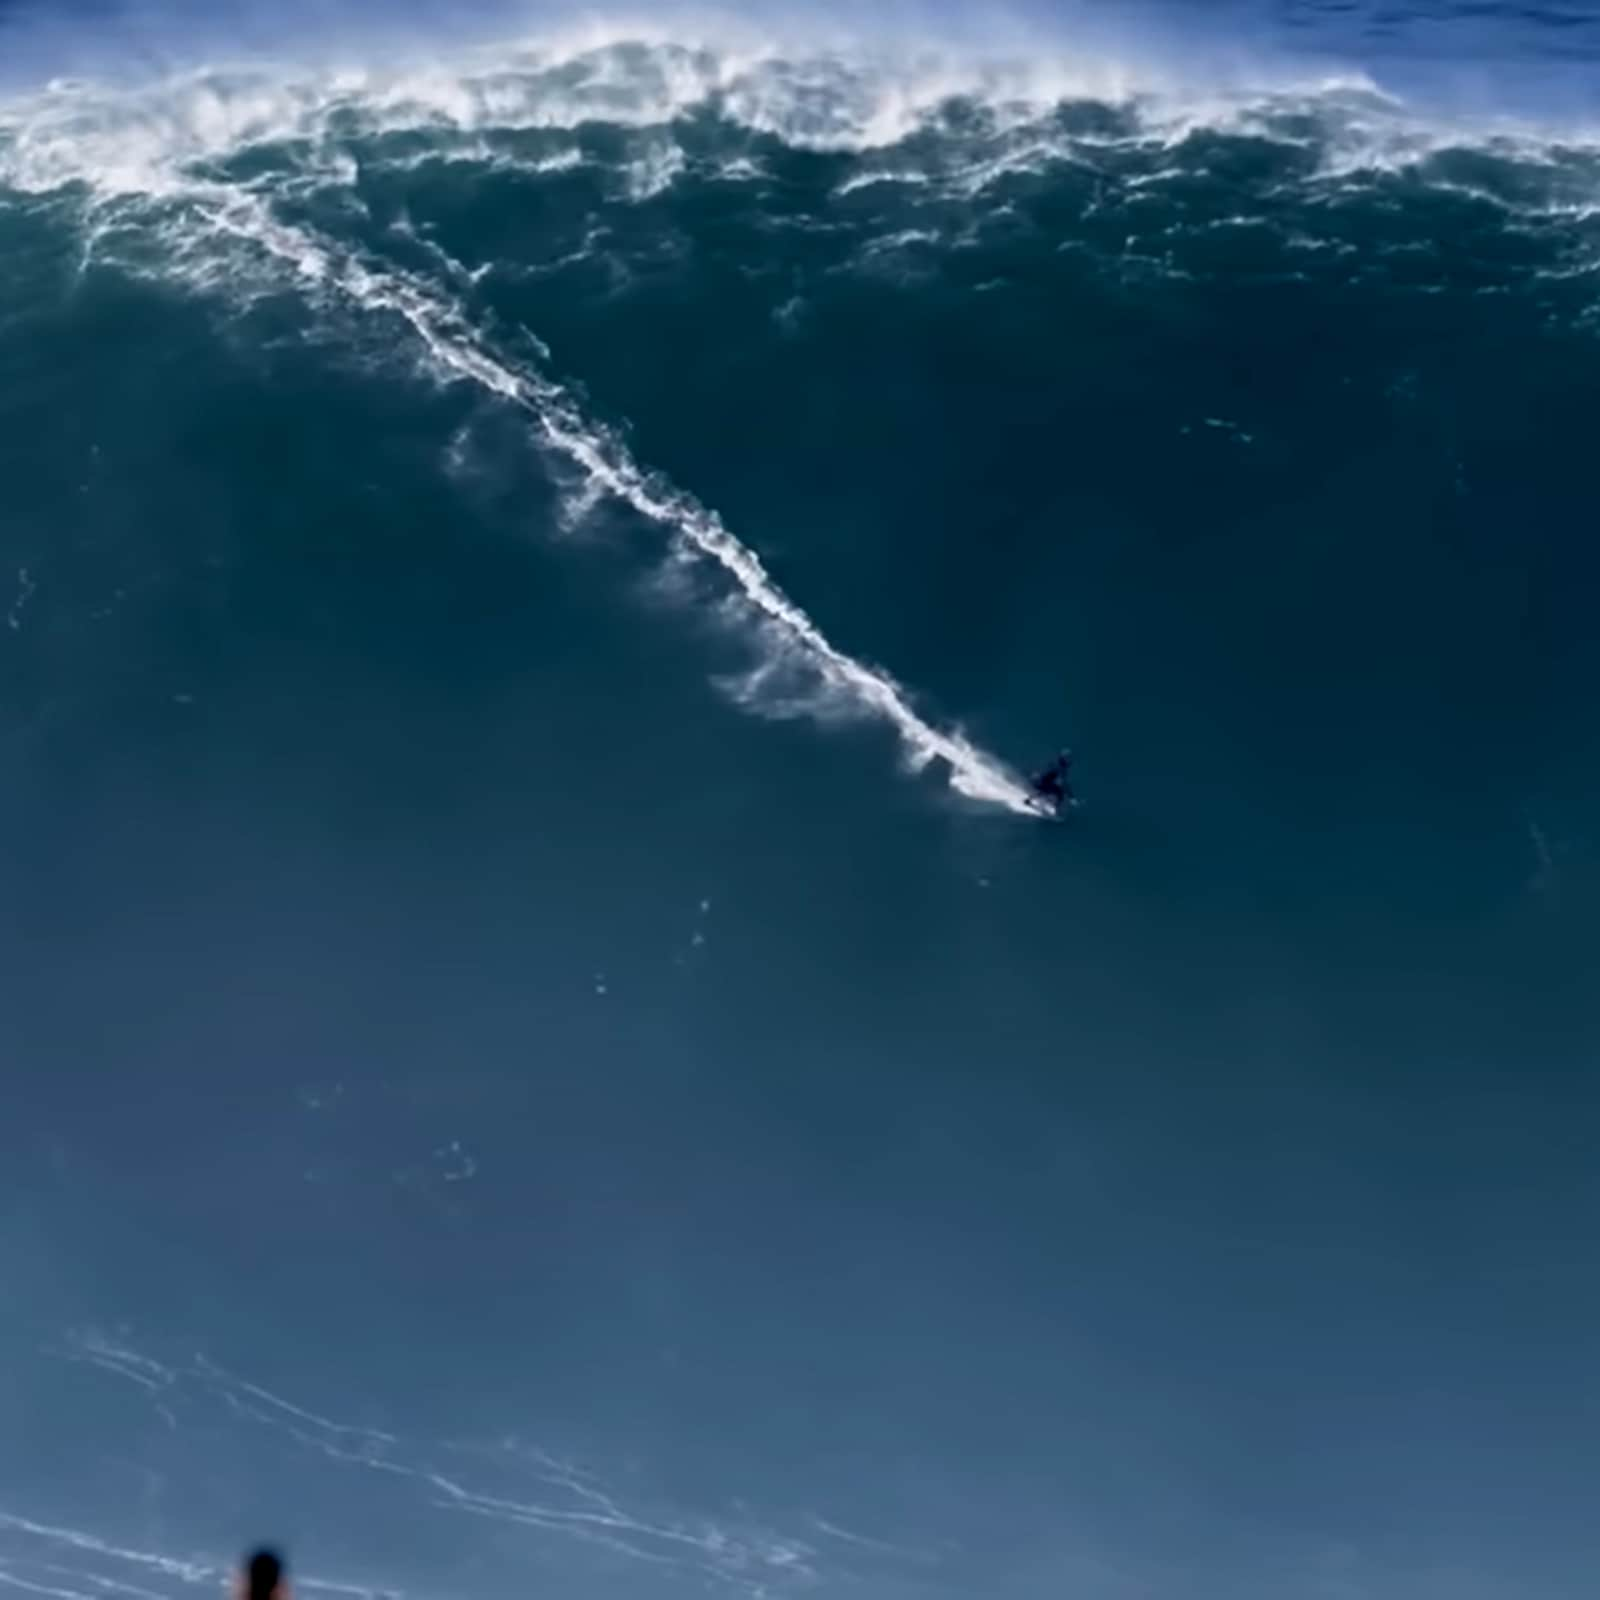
544	1053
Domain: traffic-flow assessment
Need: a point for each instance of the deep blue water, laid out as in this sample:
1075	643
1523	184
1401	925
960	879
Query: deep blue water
542	1057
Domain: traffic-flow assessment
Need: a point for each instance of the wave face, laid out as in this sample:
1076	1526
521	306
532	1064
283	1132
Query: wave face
487	222
529	579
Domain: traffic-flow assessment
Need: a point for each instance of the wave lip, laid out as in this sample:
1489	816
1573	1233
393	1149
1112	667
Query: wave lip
838	100
1009	111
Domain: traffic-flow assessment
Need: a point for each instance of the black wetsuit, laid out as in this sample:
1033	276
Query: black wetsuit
1052	785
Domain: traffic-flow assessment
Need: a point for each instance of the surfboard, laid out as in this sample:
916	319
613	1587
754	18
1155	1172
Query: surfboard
1051	813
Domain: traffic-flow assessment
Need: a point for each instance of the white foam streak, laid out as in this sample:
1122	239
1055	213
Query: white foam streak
653	172
185	1571
50	1591
908	176
795	639
505	1483
129	147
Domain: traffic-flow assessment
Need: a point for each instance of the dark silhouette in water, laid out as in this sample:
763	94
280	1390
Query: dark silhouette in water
1053	786
264	1577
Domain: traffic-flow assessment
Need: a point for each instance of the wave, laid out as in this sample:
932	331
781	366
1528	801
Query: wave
229	156
919	116
855	100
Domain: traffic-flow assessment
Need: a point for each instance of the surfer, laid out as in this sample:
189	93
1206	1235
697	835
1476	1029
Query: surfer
263	1577
1053	786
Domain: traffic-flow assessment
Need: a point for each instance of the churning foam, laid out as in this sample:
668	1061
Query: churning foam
632	77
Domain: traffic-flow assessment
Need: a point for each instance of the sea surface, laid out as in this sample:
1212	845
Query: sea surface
542	1051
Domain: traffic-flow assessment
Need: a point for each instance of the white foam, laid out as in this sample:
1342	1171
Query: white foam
213	211
741	169
653	172
907	176
900	239
629	76
131	139
562	161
